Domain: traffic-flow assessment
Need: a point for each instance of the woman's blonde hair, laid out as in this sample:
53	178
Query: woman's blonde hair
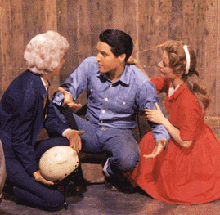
177	61
45	51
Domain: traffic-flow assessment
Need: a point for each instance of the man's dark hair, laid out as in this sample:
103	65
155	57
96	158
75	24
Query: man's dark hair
119	41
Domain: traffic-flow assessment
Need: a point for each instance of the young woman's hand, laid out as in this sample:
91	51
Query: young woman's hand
158	149
155	116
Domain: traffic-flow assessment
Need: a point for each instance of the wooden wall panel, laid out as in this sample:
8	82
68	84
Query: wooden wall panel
1	49
5	44
210	53
51	24
217	97
153	23
149	22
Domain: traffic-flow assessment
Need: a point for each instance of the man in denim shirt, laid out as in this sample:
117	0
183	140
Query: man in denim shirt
115	91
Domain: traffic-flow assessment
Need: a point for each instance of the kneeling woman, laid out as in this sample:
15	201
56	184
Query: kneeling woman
188	170
24	111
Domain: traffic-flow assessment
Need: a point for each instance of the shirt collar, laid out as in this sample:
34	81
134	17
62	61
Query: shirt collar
180	89
46	84
125	77
39	82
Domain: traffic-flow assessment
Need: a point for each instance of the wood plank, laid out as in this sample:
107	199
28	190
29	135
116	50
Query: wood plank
29	23
84	32
17	38
72	31
210	54
1	50
217	74
128	18
176	22
50	18
51	24
38	16
62	28
153	29
199	34
6	44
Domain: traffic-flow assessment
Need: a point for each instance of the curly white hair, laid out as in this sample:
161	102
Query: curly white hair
45	51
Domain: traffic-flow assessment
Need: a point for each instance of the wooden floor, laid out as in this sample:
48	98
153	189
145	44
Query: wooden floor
96	200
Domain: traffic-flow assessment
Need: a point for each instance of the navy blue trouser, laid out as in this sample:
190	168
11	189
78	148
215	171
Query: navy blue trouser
27	189
118	143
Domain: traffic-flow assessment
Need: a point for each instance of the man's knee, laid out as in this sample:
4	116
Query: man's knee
127	164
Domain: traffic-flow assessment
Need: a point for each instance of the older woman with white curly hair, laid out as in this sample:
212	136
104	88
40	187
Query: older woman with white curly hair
44	52
24	111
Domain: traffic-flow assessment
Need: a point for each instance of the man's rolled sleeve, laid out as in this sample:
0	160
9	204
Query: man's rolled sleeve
58	98
76	83
148	97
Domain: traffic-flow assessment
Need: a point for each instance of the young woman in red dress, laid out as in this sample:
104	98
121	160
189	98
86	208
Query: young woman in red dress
188	170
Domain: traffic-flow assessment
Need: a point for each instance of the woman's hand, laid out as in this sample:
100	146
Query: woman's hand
68	100
132	61
155	116
157	150
74	137
38	177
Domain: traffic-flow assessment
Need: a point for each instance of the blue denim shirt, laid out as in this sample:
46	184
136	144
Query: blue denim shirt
113	104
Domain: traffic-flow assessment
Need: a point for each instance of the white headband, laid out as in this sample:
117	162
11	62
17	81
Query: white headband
187	59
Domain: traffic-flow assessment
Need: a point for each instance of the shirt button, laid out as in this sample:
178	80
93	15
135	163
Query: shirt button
91	90
106	99
110	85
123	103
103	111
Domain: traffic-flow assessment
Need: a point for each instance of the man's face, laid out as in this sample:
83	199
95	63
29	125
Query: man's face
106	60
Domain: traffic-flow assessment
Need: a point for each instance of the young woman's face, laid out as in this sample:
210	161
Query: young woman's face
165	70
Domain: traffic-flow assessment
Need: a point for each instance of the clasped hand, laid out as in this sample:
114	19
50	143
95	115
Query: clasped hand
155	116
68	100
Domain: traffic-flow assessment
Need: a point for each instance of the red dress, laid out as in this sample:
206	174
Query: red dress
181	175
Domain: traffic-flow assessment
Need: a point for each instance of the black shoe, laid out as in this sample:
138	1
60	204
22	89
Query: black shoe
119	184
112	183
110	186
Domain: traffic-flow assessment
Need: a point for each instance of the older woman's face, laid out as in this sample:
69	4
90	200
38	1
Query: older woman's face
57	70
165	70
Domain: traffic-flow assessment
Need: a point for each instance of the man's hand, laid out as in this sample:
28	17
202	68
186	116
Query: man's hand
38	177
158	149
68	100
75	140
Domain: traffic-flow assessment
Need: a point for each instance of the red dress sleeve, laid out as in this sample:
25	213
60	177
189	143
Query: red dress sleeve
189	116
161	84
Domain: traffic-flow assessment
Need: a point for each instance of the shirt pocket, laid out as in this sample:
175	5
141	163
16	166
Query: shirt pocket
124	105
95	94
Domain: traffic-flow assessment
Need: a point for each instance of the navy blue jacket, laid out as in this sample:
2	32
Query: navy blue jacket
22	119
